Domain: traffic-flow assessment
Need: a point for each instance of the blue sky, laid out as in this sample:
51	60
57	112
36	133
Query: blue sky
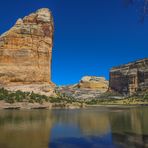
90	36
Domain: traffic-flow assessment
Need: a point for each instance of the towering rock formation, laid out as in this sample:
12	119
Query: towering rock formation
129	78
26	50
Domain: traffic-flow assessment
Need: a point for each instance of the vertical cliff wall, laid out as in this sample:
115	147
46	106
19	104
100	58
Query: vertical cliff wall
26	49
129	78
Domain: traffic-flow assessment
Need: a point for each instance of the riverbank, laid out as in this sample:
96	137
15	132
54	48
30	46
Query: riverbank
75	105
30	100
45	105
117	102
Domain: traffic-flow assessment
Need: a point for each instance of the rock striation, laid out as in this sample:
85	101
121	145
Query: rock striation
89	87
26	50
129	78
93	82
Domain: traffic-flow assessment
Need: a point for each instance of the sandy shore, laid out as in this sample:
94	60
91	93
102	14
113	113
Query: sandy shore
45	105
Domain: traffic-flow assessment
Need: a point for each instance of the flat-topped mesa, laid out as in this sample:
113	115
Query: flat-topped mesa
130	78
26	49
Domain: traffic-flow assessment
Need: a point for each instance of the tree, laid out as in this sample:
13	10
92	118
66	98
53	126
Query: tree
141	6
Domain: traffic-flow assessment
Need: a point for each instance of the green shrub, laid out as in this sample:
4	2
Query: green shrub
32	97
31	101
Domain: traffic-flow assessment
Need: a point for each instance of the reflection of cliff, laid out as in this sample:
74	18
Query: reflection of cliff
132	120
32	129
130	129
136	121
95	123
25	129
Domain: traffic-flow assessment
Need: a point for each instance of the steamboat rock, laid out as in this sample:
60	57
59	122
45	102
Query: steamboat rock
26	50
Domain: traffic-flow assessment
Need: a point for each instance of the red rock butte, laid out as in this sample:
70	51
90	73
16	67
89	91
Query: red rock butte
26	49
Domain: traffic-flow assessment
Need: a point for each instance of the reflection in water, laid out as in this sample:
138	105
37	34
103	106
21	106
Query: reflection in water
89	128
24	129
133	131
81	128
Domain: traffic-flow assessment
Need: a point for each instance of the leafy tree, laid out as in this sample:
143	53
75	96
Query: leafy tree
141	6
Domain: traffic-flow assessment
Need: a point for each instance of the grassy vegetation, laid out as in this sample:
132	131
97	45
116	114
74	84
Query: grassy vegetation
139	98
108	98
31	97
63	99
100	101
19	96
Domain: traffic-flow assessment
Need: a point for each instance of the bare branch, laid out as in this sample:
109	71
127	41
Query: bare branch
141	6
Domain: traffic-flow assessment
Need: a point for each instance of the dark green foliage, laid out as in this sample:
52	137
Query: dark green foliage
56	100
20	96
145	96
38	98
32	97
31	101
9	100
110	95
140	95
63	97
3	93
92	102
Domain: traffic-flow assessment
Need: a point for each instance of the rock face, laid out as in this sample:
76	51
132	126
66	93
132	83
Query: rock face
89	87
93	82
26	50
130	78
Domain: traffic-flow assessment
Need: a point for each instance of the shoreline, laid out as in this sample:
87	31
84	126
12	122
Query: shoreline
116	105
47	105
30	106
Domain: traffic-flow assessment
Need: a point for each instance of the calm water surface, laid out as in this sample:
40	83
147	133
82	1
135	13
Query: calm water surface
98	127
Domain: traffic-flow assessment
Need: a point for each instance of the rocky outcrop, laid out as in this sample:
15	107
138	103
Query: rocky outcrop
93	82
129	78
26	50
89	87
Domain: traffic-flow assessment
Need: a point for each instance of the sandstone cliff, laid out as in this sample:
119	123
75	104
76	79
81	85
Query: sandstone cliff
130	78
26	50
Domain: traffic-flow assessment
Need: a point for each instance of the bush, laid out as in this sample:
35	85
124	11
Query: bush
92	102
32	97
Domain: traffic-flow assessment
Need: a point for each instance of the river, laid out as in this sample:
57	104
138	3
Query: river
97	127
